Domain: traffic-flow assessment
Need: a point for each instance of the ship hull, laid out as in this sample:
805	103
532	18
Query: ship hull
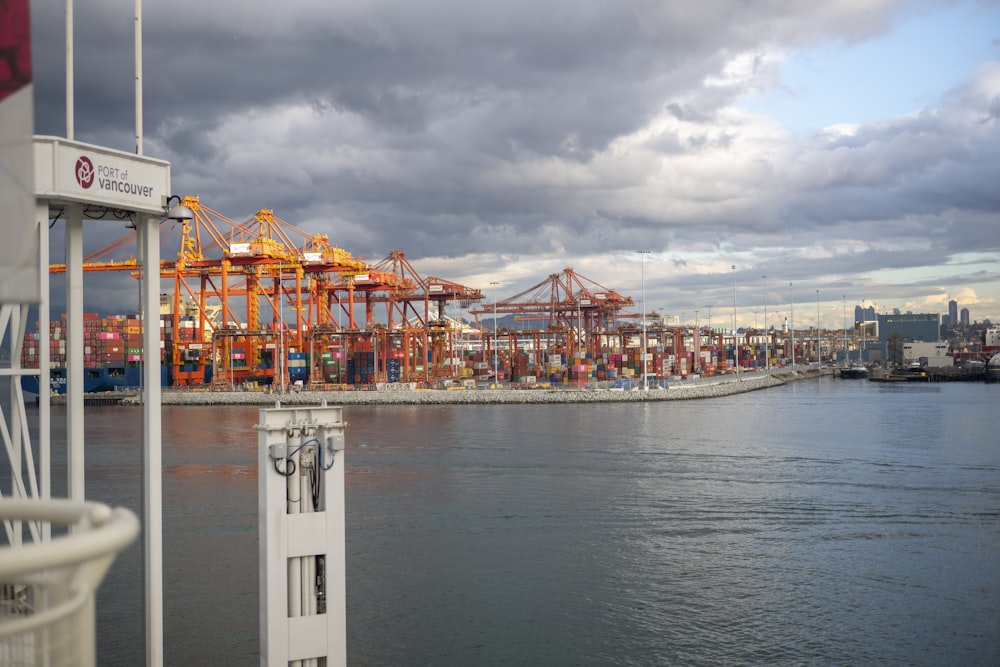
854	373
95	379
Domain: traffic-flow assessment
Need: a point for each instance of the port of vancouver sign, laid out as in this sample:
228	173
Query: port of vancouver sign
72	171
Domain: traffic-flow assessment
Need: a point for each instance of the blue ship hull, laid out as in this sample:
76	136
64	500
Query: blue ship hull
94	379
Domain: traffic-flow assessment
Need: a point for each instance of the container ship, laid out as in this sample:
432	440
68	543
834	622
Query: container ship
112	354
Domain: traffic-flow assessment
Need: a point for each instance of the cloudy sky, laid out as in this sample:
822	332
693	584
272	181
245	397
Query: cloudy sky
847	150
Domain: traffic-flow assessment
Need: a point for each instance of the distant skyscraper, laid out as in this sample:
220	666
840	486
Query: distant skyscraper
965	317
953	312
862	314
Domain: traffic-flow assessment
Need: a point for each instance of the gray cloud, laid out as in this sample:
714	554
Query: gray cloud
560	133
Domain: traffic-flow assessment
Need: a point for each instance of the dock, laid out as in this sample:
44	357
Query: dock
103	398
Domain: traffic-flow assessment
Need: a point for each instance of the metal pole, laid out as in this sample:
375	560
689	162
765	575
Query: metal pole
579	323
697	348
138	77
819	350
74	353
642	282
496	351
792	325
69	70
44	356
149	239
767	363
736	342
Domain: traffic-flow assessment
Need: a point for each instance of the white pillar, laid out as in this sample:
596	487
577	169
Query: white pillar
44	389
74	352
149	239
303	617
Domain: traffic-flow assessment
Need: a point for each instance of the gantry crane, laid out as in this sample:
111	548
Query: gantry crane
577	309
424	330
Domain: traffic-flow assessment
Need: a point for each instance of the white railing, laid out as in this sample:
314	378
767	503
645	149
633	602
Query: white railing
47	587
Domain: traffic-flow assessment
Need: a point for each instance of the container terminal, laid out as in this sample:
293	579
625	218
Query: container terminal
261	303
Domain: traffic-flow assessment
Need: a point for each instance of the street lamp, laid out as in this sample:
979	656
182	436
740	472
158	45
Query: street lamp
792	324
736	342
767	363
819	348
642	283
697	347
496	351
579	321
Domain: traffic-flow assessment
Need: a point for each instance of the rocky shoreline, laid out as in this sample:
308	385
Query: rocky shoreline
681	390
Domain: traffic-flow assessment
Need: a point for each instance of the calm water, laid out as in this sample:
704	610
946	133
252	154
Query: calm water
826	522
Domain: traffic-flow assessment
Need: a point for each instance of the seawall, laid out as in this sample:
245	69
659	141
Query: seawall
681	390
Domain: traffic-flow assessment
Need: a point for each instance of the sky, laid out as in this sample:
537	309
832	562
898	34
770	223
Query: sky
836	153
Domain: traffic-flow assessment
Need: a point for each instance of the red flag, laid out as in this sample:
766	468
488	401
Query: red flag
15	47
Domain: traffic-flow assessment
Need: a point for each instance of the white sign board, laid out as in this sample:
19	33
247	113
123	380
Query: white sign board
77	172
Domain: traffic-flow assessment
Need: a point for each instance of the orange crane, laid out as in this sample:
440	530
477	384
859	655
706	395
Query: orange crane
432	339
576	308
252	273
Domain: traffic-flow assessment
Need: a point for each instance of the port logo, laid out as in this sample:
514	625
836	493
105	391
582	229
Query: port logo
84	172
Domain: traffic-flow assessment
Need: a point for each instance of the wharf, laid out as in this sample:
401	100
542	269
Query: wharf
101	398
711	387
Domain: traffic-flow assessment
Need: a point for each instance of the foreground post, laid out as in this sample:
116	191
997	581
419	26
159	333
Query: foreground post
303	611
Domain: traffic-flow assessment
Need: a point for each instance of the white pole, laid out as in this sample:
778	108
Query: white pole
44	386
69	69
736	342
74	352
149	237
642	283
696	366
819	350
767	362
138	77
792	326
496	351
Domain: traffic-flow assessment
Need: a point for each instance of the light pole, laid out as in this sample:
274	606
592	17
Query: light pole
792	324
697	348
579	323
496	351
767	363
819	349
642	283
736	342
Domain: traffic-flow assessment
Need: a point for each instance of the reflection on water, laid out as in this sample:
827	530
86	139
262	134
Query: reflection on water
823	522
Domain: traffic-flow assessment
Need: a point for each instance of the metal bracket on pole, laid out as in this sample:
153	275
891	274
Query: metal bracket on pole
303	611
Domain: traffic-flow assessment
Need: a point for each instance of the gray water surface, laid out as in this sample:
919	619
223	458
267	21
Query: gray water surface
824	522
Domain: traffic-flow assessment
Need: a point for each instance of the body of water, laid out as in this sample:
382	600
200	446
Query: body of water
824	522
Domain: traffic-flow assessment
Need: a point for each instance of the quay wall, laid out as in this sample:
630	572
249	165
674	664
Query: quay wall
681	390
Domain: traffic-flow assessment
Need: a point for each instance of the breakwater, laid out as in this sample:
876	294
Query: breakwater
681	390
